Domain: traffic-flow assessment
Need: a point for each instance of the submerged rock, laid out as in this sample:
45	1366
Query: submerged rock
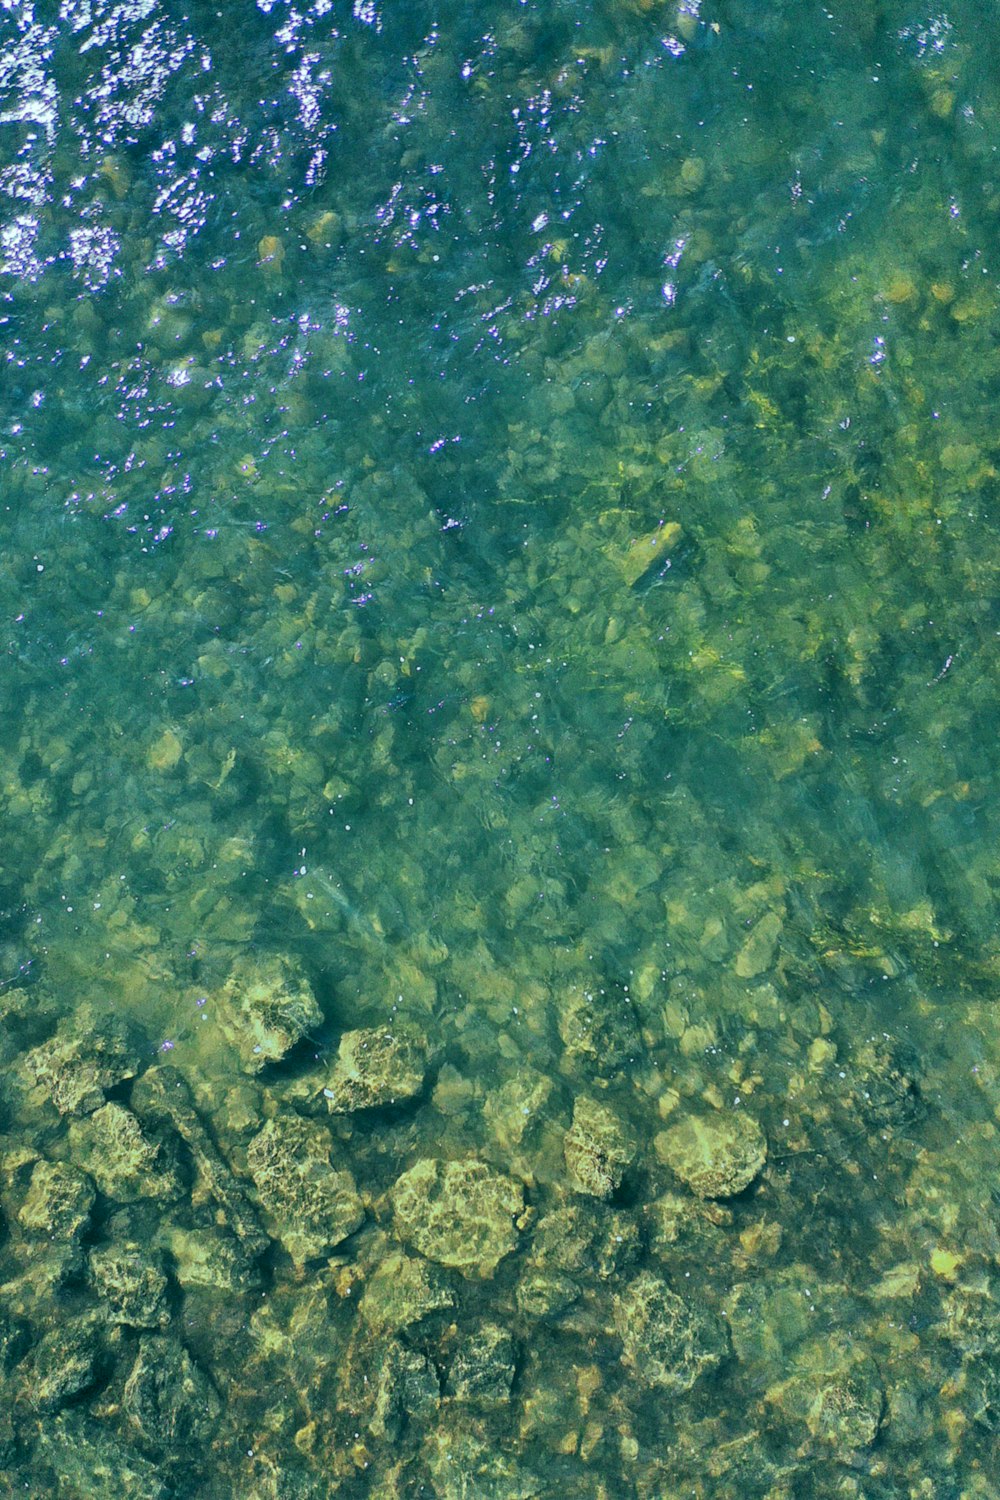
87	1459
585	1238
459	1213
124	1162
77	1071
212	1258
835	1393
132	1285
517	1111
407	1387
312	1206
265	1007
597	1148
465	1465
668	1342
482	1370
14	1339
165	1092
600	1033
378	1066
883	1084
170	1401
400	1292
716	1155
58	1202
65	1362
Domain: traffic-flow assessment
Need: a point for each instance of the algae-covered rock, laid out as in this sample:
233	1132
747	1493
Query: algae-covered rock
123	1160
981	1393
572	1248
14	1339
87	1459
401	1291
465	1464
835	1393
768	1319
585	1238
78	1070
375	1067
542	1293
311	1205
482	1370
265	1007
206	1257
757	953
882	1082
598	1148
459	1213
58	1202
642	552
167	1095
598	1031
716	1155
680	1225
170	1401
667	1341
517	1109
132	1284
406	1387
65	1362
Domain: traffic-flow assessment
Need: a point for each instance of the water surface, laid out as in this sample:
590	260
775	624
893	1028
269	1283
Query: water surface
499	516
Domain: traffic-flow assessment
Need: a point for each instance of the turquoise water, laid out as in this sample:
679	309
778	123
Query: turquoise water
499	554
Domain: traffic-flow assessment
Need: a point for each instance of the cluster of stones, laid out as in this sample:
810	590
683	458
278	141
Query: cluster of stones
412	1253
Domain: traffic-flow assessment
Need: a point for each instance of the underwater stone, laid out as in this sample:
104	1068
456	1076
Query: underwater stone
401	1291
212	1258
407	1387
89	1460
465	1464
132	1285
79	1070
600	1032
459	1213
58	1202
312	1205
14	1340
835	1392
546	1294
757	953
165	1091
265	1007
482	1370
517	1109
716	1155
125	1164
170	1400
882	1083
65	1362
585	1238
668	1342
641	553
375	1067
597	1148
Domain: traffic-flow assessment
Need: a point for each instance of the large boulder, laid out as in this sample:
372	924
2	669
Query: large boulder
598	1149
310	1204
265	1007
716	1155
667	1341
375	1067
459	1213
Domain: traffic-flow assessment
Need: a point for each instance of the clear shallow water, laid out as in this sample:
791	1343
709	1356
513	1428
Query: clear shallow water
350	359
